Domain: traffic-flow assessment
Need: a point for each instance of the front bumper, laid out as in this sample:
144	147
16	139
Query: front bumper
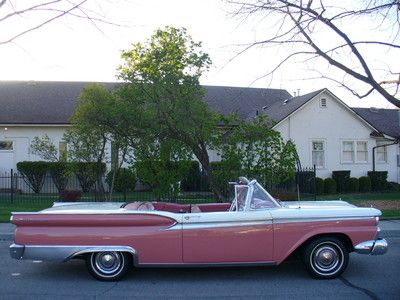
373	247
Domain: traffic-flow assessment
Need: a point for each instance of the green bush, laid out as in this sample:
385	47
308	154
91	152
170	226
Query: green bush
125	180
192	182
88	173
354	185
378	180
342	180
330	186
365	184
392	186
34	173
60	172
319	185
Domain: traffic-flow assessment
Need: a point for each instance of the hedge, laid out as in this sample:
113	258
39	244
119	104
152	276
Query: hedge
319	185
365	184
125	180
60	173
34	173
192	182
330	186
342	180
378	180
354	185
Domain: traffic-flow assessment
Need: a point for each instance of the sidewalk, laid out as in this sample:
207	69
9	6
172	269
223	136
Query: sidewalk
390	228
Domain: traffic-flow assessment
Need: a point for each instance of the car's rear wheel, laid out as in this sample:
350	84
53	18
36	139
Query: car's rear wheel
326	257
108	265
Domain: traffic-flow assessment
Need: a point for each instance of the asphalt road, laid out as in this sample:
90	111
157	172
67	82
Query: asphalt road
367	277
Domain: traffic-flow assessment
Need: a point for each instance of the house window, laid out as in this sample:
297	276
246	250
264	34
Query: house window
322	103
318	154
348	151
6	145
354	151
62	150
362	151
381	152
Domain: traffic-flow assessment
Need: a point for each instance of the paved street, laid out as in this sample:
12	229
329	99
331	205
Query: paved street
367	277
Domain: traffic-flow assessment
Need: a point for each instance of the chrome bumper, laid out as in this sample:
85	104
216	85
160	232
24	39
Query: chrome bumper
17	251
373	247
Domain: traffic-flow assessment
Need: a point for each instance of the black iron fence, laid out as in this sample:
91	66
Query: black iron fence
16	188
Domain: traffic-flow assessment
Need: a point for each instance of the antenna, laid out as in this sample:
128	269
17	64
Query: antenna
298	194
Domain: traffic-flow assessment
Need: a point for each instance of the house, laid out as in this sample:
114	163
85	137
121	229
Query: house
326	131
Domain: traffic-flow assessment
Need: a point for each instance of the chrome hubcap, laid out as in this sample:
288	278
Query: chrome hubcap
326	258
107	262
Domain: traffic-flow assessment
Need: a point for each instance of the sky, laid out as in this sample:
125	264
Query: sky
74	49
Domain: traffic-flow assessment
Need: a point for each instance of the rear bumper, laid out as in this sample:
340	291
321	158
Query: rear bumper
17	251
373	247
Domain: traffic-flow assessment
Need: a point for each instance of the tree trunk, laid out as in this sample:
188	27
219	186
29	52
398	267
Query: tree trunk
202	155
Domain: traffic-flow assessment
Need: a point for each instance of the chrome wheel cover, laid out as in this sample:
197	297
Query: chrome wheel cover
327	258
107	264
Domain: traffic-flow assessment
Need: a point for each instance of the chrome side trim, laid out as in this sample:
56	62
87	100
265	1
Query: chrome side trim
67	252
207	265
317	219
218	224
373	247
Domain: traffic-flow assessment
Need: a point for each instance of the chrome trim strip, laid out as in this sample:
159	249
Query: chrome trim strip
317	219
217	224
67	252
206	265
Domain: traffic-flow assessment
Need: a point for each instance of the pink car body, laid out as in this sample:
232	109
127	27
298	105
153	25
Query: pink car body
255	229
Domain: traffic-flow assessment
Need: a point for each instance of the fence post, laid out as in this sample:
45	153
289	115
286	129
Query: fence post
314	183
12	185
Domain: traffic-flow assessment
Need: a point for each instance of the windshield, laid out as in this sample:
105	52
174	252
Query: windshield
260	199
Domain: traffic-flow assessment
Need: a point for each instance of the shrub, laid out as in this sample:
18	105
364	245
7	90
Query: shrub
365	184
34	173
319	185
125	180
87	173
378	180
192	182
354	185
342	180
330	186
70	196
60	173
392	186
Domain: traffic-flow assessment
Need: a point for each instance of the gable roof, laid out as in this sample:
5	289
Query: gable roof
53	102
387	121
281	109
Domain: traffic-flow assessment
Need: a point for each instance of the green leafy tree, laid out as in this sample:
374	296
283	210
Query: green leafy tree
161	102
44	147
260	151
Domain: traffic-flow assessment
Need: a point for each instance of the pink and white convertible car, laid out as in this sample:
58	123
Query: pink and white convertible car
255	229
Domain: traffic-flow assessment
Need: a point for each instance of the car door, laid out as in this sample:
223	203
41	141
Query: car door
227	237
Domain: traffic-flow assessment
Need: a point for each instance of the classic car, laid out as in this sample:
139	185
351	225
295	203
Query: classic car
255	229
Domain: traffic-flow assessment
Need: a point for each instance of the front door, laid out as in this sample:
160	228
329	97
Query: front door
227	237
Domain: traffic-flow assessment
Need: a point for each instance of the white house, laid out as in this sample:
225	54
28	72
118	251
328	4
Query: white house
326	131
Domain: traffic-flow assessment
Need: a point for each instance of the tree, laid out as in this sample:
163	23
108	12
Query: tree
44	147
260	152
87	140
43	13
318	31
162	100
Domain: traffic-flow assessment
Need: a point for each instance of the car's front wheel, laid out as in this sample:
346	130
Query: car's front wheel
326	257
108	265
